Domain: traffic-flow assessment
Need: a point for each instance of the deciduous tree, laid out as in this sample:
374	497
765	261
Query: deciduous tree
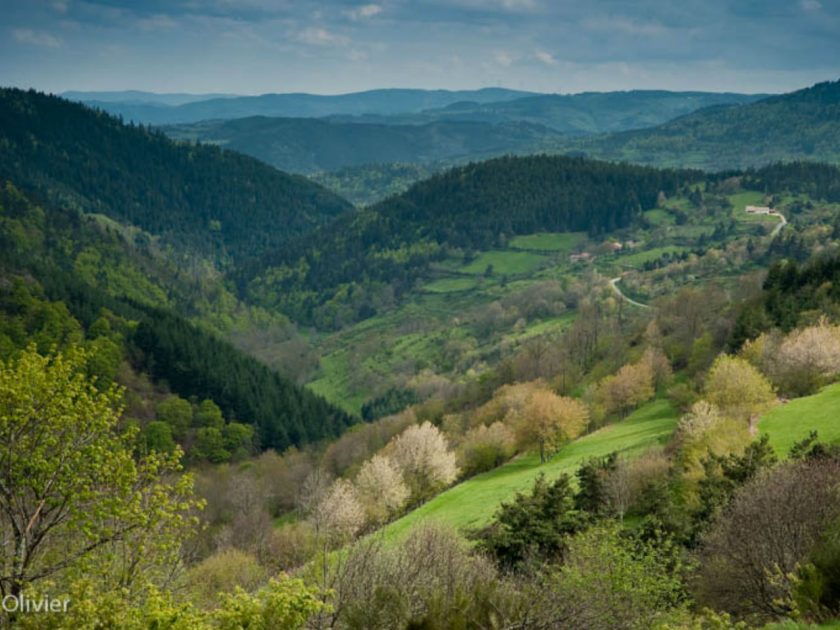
547	420
380	488
70	490
738	389
423	454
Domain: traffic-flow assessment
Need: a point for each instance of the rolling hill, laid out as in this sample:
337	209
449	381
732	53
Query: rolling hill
139	97
85	272
307	145
386	101
584	113
220	203
351	265
801	125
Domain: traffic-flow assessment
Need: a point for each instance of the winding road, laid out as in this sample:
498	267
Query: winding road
782	223
614	284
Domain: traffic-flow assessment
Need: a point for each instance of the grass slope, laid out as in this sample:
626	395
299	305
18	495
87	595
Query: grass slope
793	421
473	503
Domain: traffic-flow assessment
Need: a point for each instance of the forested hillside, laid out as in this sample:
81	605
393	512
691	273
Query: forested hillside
800	125
66	280
369	183
587	112
306	145
222	204
372	256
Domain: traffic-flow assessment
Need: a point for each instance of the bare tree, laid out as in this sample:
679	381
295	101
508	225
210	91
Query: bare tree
754	547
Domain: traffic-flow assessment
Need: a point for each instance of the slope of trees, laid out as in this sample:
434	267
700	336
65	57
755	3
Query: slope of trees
44	300
218	202
790	292
307	145
362	260
197	364
799	125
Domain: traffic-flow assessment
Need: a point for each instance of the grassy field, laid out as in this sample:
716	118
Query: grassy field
548	241
741	200
451	285
504	262
793	421
472	503
750	198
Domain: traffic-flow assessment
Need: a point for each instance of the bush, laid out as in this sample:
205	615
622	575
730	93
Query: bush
222	573
380	488
610	581
485	448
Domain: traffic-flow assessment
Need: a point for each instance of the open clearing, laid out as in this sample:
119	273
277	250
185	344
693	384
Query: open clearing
472	503
548	241
792	422
504	263
450	285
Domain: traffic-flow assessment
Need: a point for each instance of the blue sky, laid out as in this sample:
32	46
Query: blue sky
258	46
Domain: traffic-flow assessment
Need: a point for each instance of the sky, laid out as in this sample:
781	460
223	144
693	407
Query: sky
338	46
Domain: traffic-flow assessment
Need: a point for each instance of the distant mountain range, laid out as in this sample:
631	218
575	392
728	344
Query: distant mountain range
308	134
801	125
577	114
138	97
459	132
158	111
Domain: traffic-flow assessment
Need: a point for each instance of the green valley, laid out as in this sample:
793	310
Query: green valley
534	391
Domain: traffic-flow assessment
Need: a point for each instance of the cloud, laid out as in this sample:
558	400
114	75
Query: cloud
317	36
629	26
36	38
363	12
358	55
156	22
545	57
60	6
503	58
811	5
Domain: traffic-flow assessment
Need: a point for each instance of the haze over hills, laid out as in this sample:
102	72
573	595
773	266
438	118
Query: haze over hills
384	102
139	97
804	124
584	113
306	145
436	138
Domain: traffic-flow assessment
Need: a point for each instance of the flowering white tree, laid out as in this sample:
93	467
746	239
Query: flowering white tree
423	454
381	488
702	417
807	359
339	514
